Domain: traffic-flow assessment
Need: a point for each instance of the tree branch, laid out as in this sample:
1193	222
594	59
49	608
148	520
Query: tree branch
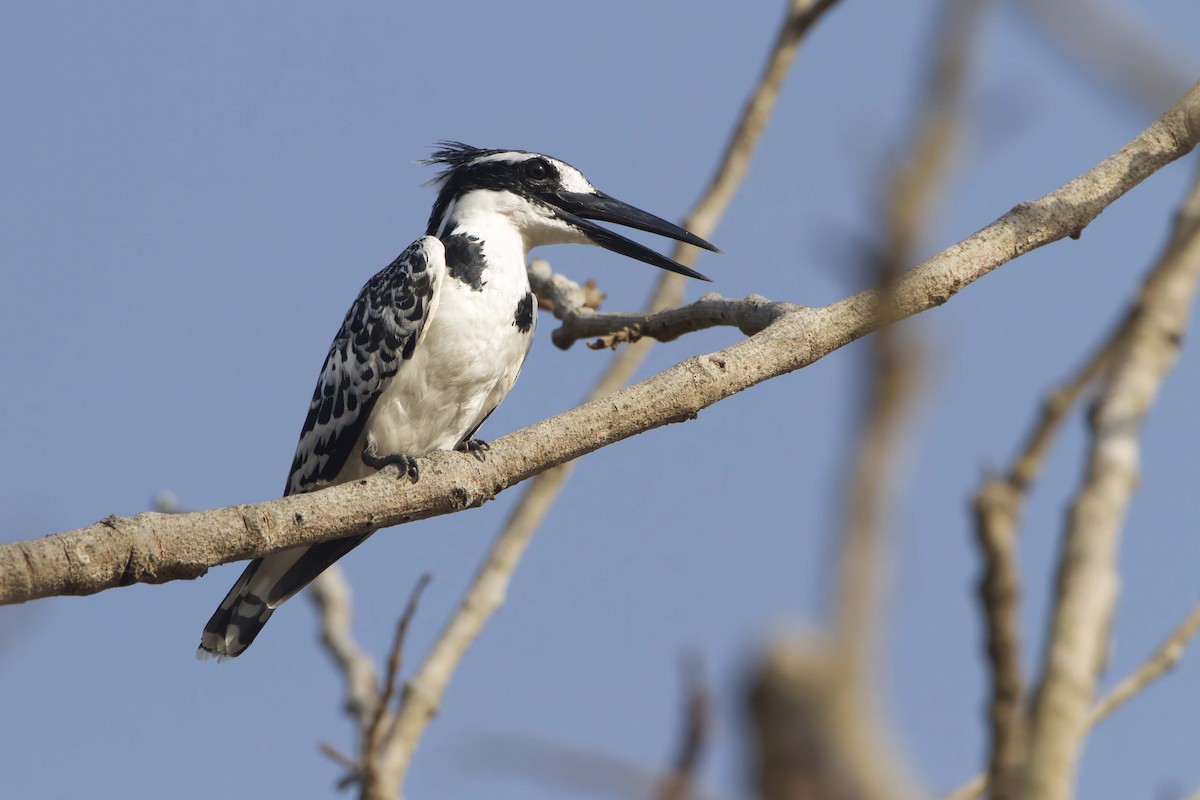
1087	578
749	316
998	506
155	548
560	295
809	744
331	595
1156	666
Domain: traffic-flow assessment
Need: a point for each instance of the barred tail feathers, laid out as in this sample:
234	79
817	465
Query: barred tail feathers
241	615
266	584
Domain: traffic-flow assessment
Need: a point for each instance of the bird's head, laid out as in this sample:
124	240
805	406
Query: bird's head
548	201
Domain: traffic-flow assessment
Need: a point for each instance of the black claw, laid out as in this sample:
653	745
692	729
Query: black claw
407	465
476	447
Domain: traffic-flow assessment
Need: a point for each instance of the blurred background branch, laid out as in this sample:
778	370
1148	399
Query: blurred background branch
1087	577
1112	44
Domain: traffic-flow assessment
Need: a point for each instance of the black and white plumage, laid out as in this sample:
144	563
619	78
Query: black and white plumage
432	345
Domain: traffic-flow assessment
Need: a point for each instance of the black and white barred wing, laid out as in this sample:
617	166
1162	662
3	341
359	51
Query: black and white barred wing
380	333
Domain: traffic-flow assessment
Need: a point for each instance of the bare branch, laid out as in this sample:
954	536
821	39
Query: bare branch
1156	666
560	295
373	745
353	769
1087	579
750	316
395	657
1112	42
813	740
155	548
998	506
1162	661
996	511
367	703
330	593
787	699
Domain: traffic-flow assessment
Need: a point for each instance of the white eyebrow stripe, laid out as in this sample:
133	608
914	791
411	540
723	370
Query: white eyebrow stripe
511	156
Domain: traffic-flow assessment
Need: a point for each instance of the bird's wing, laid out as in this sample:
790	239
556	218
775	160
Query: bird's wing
380	333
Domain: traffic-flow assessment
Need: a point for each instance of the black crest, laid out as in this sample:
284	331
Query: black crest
453	155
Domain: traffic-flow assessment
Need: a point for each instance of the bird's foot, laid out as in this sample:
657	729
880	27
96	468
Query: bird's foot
407	465
476	447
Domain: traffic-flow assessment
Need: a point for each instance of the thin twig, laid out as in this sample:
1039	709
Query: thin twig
353	768
394	658
372	744
338	757
1158	664
697	724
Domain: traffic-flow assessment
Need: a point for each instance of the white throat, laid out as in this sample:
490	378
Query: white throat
509	225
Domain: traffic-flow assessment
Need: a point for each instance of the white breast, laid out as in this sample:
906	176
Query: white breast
467	362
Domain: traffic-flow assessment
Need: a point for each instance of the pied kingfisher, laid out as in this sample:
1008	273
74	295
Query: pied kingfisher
432	345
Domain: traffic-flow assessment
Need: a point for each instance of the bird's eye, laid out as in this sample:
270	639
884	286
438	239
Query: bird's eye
537	169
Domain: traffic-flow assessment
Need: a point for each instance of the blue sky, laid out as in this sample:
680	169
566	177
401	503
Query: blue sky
193	194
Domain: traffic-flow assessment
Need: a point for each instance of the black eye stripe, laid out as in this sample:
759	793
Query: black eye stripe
497	175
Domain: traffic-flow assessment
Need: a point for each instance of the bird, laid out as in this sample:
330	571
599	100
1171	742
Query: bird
432	344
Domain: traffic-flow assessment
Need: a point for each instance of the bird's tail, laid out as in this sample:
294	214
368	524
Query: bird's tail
265	585
239	618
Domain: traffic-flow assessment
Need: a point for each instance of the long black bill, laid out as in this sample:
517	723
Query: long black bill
577	208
